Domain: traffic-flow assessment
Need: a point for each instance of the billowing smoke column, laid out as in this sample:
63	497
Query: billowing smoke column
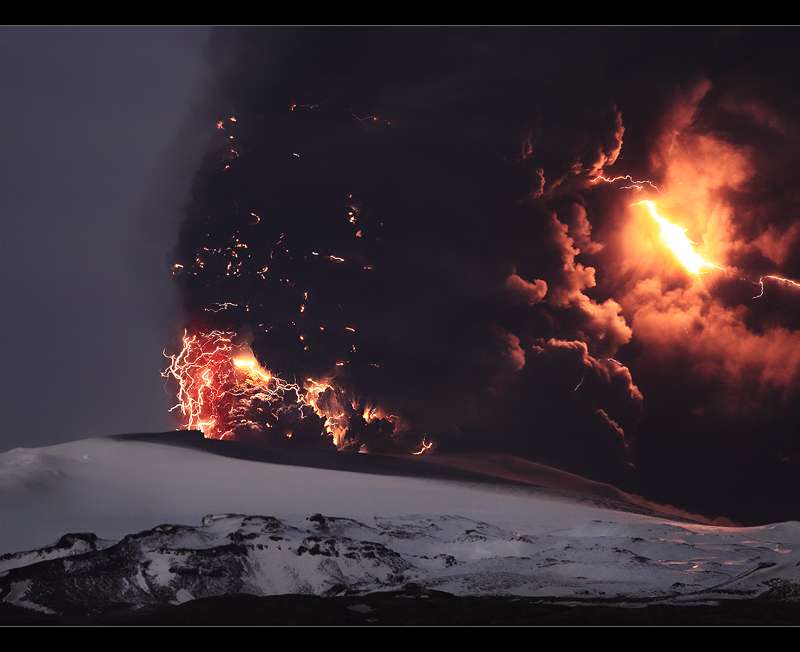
406	236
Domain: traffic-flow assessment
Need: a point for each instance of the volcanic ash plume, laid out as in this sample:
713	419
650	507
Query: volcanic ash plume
343	276
441	242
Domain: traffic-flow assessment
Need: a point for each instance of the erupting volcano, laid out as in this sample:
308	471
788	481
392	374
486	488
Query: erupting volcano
373	263
478	320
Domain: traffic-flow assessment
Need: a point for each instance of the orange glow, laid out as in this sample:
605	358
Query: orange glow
687	321
687	216
216	378
675	239
249	365
220	382
375	413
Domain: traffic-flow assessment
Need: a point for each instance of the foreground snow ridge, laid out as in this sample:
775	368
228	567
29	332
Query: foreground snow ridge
323	555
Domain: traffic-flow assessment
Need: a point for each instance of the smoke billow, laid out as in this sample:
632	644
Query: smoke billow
420	215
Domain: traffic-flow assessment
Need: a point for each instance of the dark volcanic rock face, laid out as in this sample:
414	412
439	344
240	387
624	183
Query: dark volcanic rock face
69	545
171	564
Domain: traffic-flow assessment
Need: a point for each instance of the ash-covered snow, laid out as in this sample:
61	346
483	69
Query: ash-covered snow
113	487
289	529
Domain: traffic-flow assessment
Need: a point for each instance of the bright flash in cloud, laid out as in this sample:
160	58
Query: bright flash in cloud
675	239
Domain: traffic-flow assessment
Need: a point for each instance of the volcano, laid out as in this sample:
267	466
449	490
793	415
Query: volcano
134	540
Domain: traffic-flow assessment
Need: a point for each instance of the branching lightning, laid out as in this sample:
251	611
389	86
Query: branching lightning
675	239
632	184
222	388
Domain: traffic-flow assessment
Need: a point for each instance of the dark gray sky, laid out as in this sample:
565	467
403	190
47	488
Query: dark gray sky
100	132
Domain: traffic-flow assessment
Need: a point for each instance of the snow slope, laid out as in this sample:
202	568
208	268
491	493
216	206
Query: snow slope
112	487
378	532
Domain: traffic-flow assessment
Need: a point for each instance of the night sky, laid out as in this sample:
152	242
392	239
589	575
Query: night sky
442	228
95	131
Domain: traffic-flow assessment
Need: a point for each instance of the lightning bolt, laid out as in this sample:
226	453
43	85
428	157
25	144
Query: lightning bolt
676	240
633	184
778	279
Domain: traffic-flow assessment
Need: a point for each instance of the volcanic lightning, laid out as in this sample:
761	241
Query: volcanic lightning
778	279
424	447
214	375
675	239
223	390
632	184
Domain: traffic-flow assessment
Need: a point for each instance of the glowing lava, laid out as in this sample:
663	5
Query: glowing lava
224	391
221	383
675	239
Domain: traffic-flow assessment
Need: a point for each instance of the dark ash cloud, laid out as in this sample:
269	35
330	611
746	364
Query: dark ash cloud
430	198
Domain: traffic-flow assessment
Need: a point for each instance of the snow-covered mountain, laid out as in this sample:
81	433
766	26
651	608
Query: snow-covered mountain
263	555
298	529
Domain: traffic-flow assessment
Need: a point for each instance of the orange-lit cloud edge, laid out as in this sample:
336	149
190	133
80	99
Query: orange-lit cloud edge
668	247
